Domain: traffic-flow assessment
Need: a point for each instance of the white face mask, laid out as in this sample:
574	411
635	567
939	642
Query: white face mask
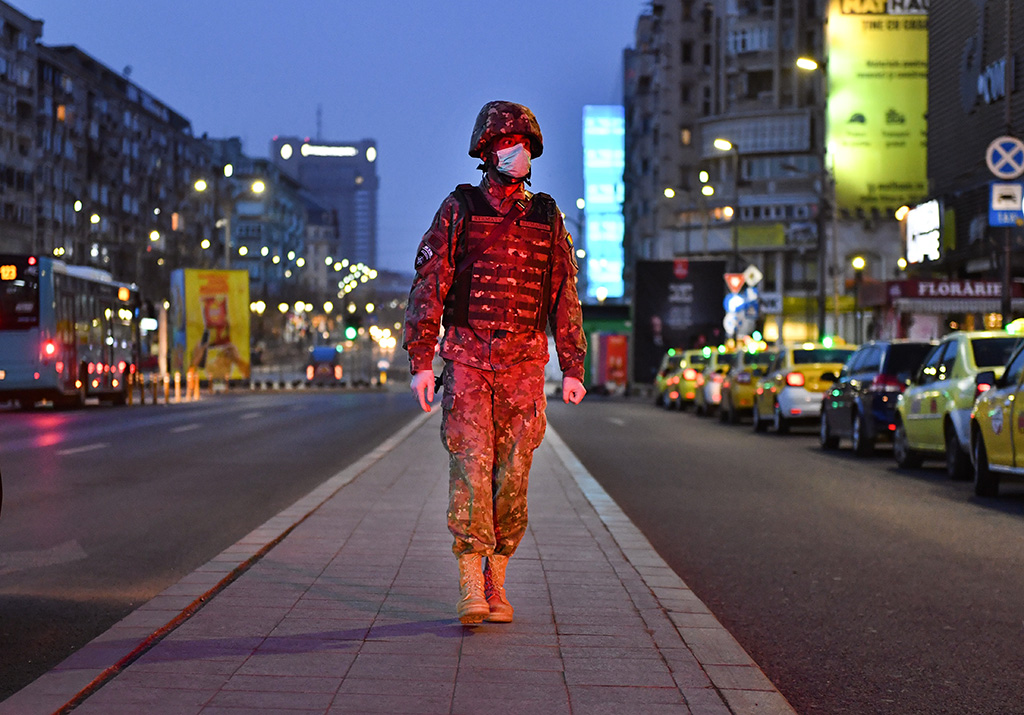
514	161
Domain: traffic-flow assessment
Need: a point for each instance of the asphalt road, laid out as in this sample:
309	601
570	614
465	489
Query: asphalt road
106	507
857	588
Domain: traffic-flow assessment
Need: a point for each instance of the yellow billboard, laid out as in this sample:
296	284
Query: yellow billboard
210	322
878	102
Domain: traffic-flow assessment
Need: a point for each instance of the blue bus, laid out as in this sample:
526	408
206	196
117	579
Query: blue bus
67	333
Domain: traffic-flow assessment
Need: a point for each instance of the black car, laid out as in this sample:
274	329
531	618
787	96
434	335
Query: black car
861	404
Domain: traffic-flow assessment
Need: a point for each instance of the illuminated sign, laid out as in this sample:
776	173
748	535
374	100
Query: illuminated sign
877	101
8	273
924	229
324	150
604	155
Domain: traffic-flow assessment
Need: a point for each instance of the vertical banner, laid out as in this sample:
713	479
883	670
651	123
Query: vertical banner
604	159
678	304
211	329
878	102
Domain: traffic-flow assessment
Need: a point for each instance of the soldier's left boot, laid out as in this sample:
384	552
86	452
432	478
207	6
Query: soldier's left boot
494	590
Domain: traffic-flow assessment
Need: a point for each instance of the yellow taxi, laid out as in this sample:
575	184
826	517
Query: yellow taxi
997	426
738	388
684	388
795	382
709	381
664	377
933	414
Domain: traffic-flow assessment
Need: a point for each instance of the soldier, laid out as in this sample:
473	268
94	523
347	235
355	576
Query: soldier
497	267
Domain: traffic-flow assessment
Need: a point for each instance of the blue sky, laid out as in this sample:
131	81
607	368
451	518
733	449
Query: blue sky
410	74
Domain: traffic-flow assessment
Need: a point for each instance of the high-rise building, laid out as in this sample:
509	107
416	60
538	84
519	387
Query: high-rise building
730	153
343	177
18	37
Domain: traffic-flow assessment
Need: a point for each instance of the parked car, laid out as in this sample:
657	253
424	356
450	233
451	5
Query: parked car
997	426
324	366
740	383
795	384
663	378
708	385
861	404
933	414
684	390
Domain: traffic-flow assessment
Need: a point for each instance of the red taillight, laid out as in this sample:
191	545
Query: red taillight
121	366
92	368
983	387
49	348
795	379
674	395
717	377
700	380
689	374
673	380
309	372
337	372
886	383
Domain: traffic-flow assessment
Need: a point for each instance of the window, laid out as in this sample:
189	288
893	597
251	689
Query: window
1013	371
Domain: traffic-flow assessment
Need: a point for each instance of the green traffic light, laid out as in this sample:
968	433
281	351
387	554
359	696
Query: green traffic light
351	332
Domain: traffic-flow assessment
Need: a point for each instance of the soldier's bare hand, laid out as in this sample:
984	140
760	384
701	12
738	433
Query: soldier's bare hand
423	387
572	390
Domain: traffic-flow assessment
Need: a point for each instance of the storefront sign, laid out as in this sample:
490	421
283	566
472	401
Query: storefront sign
945	289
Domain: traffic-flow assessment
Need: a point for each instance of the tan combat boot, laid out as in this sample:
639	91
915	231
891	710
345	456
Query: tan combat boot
472	606
494	590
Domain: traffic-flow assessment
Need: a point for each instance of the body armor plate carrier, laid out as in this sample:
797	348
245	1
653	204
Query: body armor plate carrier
508	287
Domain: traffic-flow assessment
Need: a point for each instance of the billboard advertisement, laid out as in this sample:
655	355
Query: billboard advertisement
878	102
210	323
678	304
604	159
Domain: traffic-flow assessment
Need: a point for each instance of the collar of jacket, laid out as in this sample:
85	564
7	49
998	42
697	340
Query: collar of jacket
496	195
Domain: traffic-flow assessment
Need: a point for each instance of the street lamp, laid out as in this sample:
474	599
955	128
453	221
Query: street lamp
858	263
809	64
728	146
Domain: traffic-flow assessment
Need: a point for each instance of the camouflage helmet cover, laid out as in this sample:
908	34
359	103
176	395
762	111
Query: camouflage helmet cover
498	118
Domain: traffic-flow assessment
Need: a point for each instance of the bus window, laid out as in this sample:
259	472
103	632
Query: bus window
19	294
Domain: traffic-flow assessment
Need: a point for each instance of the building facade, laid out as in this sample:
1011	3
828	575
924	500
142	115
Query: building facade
342	177
18	37
707	70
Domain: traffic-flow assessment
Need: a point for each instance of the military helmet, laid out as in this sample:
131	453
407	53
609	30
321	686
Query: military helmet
499	118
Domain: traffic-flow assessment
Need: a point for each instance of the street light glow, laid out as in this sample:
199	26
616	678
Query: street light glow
707	190
200	185
258	187
722	144
901	212
581	204
669	192
154	235
858	263
807	63
95	218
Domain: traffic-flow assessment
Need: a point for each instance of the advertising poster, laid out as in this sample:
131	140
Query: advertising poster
210	323
678	304
878	102
604	159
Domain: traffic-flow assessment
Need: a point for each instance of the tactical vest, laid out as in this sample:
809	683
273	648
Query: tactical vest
506	288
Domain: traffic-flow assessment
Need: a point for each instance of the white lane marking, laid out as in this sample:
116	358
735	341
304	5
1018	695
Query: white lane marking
86	448
250	415
186	428
64	553
617	421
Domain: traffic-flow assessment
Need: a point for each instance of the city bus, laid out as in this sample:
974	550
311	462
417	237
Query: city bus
67	333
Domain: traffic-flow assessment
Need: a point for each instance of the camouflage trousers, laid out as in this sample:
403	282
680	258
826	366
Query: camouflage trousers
492	422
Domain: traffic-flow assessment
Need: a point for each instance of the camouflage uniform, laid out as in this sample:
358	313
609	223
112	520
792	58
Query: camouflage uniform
493	402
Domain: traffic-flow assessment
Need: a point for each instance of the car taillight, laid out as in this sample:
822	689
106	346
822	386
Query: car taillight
886	383
337	372
309	372
689	374
700	380
49	348
718	377
795	379
673	380
983	387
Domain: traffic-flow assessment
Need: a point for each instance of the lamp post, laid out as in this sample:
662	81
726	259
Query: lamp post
728	146
827	187
858	264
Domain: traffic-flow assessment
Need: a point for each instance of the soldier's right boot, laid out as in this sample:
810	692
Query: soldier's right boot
472	607
494	590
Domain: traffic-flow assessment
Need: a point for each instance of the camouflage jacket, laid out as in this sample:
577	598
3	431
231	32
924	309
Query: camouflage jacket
439	251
